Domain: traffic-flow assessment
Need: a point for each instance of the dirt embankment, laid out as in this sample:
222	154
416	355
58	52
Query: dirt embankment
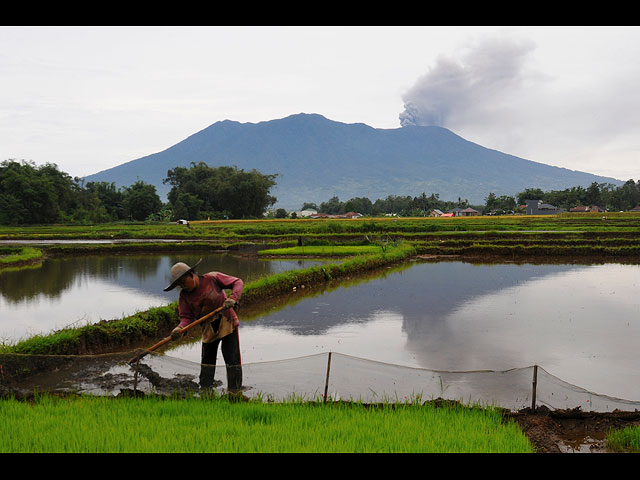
571	431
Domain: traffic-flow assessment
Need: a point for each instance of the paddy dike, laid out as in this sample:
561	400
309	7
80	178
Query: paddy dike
558	431
571	431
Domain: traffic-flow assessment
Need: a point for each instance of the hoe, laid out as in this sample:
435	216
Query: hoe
168	339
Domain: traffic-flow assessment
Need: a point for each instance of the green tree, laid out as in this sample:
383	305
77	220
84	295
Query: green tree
501	204
359	205
629	195
140	200
490	202
187	206
31	194
109	197
333	206
530	194
592	196
224	191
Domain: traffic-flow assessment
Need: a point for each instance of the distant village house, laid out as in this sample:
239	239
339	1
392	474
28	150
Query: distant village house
585	209
454	212
469	212
306	213
536	207
343	215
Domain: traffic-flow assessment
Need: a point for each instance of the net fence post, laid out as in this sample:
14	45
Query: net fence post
326	383
135	378
535	384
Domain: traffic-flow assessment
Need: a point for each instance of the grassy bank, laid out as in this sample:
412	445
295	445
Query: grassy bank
258	229
11	256
105	425
323	250
586	234
142	327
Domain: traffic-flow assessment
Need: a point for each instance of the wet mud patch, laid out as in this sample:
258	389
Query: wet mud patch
571	431
23	377
179	383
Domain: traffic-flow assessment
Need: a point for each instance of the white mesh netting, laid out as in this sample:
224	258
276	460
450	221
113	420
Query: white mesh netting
342	377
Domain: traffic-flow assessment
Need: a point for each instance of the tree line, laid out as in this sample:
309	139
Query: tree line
393	204
606	196
31	194
202	191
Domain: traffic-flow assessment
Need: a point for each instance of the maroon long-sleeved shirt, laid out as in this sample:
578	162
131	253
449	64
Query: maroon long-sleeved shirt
207	297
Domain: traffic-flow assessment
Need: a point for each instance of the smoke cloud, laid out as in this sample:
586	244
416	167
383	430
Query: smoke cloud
484	82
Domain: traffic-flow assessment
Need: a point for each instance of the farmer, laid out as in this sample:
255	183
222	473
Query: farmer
199	295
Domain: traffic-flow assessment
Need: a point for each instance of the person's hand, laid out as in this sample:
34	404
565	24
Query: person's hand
176	333
229	303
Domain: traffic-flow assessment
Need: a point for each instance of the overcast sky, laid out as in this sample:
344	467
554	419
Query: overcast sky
91	98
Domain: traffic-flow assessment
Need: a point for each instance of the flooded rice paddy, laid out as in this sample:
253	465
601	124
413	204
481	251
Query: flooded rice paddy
579	322
78	290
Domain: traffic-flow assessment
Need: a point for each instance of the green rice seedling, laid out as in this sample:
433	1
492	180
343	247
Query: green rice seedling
190	424
624	440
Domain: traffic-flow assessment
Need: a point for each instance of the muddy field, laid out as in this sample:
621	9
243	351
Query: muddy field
571	431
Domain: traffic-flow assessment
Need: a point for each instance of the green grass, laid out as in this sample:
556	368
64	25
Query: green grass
235	230
157	425
624	440
323	250
12	255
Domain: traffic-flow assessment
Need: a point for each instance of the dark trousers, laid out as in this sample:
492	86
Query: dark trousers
231	355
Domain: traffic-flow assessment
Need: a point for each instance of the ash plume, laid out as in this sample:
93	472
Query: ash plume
483	82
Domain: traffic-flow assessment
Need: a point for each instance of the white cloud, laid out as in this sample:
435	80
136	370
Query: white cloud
95	97
511	93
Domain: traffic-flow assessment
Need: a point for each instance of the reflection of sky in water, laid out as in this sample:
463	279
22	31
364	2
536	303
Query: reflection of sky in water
86	289
92	301
261	343
580	323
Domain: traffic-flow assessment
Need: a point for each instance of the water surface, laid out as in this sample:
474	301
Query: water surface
579	322
86	289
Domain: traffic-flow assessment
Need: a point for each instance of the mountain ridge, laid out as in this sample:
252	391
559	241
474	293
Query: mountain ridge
317	158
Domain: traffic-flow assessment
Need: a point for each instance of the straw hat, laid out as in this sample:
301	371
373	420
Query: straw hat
178	271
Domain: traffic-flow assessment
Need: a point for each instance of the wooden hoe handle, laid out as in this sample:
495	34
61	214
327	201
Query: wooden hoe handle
168	339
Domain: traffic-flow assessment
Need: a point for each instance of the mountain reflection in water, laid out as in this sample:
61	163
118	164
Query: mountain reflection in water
579	322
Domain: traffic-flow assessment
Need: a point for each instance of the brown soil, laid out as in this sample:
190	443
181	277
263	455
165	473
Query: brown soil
571	431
